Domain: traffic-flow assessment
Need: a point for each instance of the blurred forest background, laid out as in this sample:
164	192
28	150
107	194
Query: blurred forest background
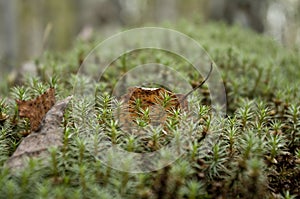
29	27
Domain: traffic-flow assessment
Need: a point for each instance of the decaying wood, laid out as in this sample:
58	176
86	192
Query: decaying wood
50	134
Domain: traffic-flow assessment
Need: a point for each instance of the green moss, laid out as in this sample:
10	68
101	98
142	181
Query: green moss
257	148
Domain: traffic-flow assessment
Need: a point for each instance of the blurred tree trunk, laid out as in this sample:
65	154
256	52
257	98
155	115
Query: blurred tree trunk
63	17
192	8
30	16
247	13
35	17
100	13
165	10
8	37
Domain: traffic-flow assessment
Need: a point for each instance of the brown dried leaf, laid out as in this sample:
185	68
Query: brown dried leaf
150	98
37	108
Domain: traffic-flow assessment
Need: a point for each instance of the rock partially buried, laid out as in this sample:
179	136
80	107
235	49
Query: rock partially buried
50	134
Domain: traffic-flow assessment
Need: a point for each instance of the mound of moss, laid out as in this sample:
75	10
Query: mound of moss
256	152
